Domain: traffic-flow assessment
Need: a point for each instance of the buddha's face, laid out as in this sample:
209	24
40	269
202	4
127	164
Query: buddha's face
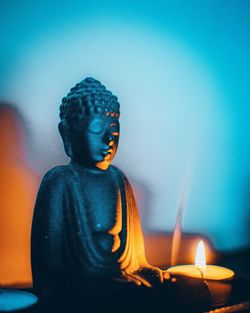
96	140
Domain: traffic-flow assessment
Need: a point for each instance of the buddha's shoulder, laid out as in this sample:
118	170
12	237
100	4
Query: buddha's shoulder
118	172
62	173
58	173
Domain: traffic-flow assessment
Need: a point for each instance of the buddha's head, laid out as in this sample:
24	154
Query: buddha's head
89	124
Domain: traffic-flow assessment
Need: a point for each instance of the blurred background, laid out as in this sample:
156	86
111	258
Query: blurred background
181	72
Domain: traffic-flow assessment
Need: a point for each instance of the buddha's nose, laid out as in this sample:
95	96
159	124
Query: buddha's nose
111	143
111	139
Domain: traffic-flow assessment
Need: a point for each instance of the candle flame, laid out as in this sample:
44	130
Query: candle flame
200	256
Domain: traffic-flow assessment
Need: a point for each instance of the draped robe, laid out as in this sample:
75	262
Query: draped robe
75	234
86	231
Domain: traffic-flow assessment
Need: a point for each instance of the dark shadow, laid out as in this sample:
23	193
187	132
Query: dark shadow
247	210
239	260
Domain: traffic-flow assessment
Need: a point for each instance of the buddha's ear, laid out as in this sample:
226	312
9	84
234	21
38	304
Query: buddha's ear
64	131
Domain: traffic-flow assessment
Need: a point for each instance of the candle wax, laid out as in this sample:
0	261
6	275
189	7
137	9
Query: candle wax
217	278
211	272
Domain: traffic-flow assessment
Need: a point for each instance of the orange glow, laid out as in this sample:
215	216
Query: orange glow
159	246
133	258
104	165
177	236
159	251
118	225
18	187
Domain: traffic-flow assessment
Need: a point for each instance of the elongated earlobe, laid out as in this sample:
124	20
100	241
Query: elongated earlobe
65	134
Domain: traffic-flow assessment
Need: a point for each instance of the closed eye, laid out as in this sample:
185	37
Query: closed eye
96	127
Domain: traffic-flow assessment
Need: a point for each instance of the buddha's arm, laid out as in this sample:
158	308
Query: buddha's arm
135	262
46	231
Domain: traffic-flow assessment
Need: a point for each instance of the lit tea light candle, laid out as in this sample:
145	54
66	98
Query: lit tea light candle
218	278
200	269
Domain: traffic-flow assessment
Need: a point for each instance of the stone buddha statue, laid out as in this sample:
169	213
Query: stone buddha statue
86	220
86	226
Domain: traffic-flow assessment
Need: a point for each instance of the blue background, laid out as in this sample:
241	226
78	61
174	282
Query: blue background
181	72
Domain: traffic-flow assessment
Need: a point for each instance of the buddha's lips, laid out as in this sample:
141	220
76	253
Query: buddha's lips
107	154
108	151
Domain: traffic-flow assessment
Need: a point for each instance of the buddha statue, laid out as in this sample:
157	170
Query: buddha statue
86	229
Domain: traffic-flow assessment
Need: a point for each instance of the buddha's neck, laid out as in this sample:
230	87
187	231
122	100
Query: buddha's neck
89	168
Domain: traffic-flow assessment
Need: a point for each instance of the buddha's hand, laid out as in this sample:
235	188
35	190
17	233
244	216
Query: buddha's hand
146	275
153	275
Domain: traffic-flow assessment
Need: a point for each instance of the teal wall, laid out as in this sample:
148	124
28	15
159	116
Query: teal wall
181	71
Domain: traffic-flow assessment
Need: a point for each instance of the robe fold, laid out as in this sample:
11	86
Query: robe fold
66	242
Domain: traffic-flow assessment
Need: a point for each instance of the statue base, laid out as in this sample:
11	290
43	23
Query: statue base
114	297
